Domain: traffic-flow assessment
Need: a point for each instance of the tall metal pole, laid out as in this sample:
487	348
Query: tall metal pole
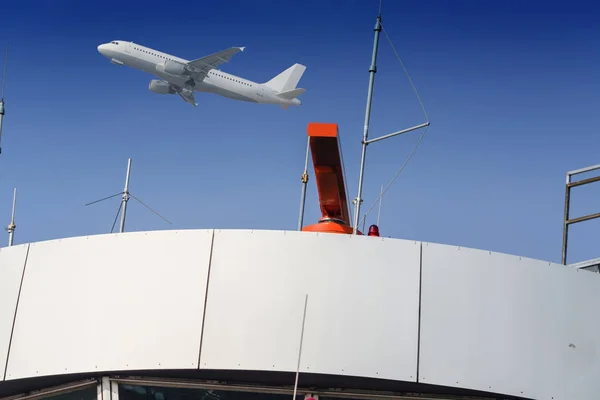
2	97
125	197
11	227
304	183
372	70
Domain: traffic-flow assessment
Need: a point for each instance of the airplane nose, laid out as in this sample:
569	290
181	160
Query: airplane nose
102	49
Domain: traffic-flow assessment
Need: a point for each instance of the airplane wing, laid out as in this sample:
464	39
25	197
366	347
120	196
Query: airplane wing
200	67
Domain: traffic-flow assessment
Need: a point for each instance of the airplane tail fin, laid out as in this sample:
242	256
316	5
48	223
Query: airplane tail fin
287	80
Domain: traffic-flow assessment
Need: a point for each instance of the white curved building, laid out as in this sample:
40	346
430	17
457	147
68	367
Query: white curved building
170	315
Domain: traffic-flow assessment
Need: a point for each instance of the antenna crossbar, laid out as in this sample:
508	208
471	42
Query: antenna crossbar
414	128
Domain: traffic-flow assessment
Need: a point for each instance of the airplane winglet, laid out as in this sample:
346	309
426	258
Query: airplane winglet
242	48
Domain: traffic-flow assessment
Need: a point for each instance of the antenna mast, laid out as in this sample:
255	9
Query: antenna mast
372	70
2	97
11	227
125	195
366	141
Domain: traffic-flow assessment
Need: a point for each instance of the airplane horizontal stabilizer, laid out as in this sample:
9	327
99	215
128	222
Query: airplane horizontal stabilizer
291	94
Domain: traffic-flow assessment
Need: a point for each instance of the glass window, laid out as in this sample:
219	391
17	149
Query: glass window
135	392
89	393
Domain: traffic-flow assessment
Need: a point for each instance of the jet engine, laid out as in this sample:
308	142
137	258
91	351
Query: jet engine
174	68
161	87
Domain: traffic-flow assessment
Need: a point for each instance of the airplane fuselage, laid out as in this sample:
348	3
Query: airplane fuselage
215	81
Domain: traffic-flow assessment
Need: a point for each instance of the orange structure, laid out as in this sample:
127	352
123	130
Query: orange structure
329	176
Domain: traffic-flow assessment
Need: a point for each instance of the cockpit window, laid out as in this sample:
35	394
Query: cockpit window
115	43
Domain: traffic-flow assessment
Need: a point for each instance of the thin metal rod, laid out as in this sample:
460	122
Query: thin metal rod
11	227
300	349
116	218
584	181
379	210
565	224
304	184
106	198
125	197
582	219
372	70
150	208
414	128
583	170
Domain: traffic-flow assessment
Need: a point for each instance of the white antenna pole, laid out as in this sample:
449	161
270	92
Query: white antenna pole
304	182
300	349
2	97
11	227
380	199
125	196
372	70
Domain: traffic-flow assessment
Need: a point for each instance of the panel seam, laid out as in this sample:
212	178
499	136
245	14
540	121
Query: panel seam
419	311
12	330
212	243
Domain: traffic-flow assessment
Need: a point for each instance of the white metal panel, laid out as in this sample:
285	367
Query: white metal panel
12	262
362	312
111	302
509	325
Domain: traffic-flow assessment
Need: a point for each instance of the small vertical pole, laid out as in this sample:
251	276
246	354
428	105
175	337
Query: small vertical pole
11	227
125	197
372	70
300	349
304	183
566	220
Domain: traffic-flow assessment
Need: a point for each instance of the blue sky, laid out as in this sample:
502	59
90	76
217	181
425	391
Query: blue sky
511	89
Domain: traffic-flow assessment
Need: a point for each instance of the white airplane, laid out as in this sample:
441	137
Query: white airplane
202	75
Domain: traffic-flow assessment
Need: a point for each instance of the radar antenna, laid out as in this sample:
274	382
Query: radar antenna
125	195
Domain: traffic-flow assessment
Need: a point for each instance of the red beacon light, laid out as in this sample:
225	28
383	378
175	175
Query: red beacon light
373	230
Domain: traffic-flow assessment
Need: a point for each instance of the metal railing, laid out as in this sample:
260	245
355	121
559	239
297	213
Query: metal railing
567	221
